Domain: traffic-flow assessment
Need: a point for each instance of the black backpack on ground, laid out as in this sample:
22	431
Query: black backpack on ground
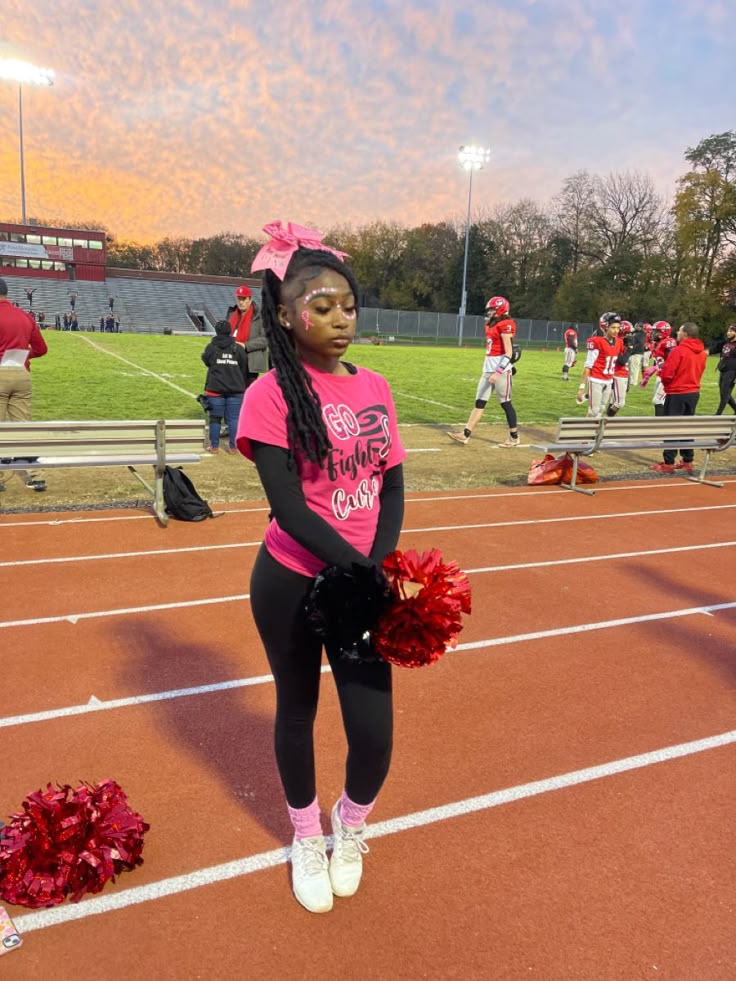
181	498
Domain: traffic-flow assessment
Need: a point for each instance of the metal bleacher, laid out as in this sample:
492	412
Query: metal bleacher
153	306
142	305
52	296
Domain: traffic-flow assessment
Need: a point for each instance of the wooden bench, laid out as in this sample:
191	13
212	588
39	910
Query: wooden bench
156	442
585	436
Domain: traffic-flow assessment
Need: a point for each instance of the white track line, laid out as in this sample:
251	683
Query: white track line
145	553
96	705
600	625
540	491
74	617
90	615
53	522
600	558
656	485
279	856
183	604
129	555
576	517
404	531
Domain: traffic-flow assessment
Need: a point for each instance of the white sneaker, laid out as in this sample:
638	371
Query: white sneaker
346	863
310	879
459	437
511	441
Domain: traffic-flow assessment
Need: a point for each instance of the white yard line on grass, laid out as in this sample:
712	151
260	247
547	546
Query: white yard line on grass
419	398
138	367
97	705
174	885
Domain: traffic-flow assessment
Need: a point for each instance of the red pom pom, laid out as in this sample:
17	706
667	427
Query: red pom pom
418	628
68	842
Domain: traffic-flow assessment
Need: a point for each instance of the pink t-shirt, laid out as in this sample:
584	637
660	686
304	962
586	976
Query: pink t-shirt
360	416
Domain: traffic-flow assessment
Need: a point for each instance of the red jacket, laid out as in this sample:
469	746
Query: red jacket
19	332
684	367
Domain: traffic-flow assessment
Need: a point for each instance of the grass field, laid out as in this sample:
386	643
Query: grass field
143	376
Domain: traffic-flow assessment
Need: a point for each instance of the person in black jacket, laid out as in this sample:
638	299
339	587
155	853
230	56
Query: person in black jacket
227	370
727	369
638	345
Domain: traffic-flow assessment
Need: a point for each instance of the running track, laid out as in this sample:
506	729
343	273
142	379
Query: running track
561	801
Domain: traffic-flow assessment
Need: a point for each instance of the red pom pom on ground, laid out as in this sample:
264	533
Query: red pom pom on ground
68	842
421	625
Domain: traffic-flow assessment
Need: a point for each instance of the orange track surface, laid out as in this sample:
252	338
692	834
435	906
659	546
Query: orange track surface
624	876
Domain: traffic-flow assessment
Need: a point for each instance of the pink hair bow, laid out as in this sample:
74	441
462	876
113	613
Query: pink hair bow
276	254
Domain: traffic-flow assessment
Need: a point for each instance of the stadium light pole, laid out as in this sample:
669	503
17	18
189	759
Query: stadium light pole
23	72
471	158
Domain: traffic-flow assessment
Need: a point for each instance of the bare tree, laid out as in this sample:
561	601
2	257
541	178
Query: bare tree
626	213
572	212
523	231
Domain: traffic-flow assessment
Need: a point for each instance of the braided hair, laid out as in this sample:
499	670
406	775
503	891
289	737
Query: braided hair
305	428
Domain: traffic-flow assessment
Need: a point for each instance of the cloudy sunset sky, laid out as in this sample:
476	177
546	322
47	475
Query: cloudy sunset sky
194	117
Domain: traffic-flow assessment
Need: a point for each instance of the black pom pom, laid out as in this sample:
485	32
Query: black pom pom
343	606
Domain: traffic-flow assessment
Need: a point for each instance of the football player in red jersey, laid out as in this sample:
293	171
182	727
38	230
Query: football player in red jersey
663	342
648	347
571	352
599	365
620	382
497	371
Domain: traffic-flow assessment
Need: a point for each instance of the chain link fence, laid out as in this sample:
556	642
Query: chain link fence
421	327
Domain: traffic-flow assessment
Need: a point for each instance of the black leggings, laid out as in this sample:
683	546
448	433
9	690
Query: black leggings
295	655
725	384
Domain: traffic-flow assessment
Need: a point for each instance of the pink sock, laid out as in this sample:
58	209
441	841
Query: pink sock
306	820
353	815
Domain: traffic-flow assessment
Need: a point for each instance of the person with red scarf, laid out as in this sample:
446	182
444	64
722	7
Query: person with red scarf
247	330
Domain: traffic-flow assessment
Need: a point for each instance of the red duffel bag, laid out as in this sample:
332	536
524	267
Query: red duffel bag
558	470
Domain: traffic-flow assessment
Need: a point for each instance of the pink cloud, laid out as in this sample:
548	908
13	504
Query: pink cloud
191	118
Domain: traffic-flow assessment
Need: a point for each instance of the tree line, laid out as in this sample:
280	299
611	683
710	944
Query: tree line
602	243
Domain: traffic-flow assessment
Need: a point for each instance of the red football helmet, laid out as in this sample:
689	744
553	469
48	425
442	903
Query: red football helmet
497	307
626	327
662	328
606	319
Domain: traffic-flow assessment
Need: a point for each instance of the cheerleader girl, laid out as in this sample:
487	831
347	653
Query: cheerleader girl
323	436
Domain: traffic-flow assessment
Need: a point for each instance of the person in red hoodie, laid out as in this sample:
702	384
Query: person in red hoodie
20	340
680	375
